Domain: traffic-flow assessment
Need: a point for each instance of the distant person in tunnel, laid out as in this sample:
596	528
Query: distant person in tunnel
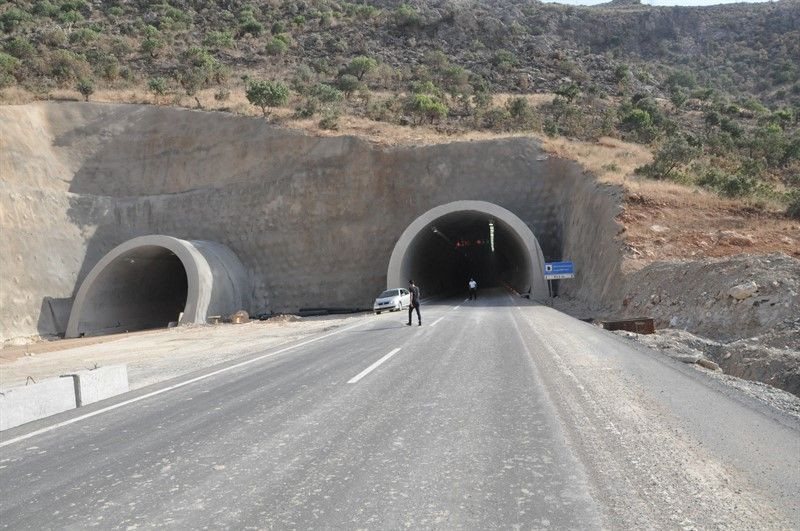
473	289
414	290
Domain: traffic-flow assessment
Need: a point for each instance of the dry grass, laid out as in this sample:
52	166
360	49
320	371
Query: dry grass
611	160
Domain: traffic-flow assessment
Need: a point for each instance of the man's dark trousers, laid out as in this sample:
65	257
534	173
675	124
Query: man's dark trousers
414	305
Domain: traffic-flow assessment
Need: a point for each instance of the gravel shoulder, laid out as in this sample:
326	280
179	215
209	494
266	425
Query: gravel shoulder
158	355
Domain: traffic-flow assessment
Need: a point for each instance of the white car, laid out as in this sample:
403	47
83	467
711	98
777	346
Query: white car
392	300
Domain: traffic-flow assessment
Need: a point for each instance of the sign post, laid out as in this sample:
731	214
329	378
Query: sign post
557	271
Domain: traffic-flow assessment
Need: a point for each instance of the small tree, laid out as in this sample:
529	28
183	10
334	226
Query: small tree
267	94
158	86
676	152
348	84
86	88
361	66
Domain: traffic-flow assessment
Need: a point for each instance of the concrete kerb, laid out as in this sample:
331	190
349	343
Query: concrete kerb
20	405
395	274
27	403
98	384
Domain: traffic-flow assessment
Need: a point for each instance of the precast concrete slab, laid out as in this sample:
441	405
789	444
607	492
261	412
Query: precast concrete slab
23	404
97	384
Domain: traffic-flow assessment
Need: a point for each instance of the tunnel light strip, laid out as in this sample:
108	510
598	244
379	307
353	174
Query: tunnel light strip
491	234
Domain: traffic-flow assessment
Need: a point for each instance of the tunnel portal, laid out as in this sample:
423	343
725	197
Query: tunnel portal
445	247
150	281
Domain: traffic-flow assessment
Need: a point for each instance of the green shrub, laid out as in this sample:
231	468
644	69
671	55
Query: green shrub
21	48
330	119
219	39
248	24
504	61
83	36
521	111
326	93
622	73
569	92
153	42
158	86
44	8
348	84
727	184
66	66
307	108
406	16
426	107
12	18
85	87
276	46
267	95
9	67
495	118
674	154
70	17
793	206
278	27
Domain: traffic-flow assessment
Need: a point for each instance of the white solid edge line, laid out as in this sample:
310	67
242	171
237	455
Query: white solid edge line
171	387
372	367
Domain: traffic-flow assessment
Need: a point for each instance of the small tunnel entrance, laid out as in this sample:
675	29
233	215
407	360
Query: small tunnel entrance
442	249
143	288
146	282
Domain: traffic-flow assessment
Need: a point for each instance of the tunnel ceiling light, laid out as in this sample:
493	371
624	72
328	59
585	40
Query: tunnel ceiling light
491	234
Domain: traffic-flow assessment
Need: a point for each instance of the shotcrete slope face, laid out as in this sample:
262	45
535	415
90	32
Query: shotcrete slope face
279	220
451	244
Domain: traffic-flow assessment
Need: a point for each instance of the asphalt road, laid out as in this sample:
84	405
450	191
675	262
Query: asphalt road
496	413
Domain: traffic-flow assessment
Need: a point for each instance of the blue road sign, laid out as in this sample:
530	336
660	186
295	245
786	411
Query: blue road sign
556	270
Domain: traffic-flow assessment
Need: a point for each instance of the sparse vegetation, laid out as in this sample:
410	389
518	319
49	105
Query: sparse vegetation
716	116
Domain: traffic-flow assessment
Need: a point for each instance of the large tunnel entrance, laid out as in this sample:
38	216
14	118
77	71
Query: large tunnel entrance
445	247
150	281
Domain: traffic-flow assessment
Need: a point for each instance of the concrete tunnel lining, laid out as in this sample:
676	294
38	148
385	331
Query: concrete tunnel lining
216	283
516	232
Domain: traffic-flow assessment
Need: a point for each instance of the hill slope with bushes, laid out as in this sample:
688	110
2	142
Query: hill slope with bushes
714	92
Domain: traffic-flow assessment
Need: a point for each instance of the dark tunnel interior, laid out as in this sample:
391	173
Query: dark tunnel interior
462	245
144	288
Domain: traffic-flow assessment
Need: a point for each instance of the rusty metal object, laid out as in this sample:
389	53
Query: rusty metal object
641	325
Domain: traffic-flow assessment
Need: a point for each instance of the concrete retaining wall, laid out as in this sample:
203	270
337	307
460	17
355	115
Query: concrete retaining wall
19	405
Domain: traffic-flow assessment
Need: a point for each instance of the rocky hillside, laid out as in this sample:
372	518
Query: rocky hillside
714	91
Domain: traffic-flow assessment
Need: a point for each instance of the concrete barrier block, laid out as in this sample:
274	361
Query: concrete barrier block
97	384
19	405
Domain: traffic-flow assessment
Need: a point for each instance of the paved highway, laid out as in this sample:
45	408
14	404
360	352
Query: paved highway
496	413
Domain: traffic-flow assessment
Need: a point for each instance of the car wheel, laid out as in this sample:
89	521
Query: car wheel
377	313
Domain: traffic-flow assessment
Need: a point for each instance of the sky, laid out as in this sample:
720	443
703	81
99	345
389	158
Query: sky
661	2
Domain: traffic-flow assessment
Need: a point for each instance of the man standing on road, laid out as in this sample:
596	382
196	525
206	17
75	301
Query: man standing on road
473	289
414	290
